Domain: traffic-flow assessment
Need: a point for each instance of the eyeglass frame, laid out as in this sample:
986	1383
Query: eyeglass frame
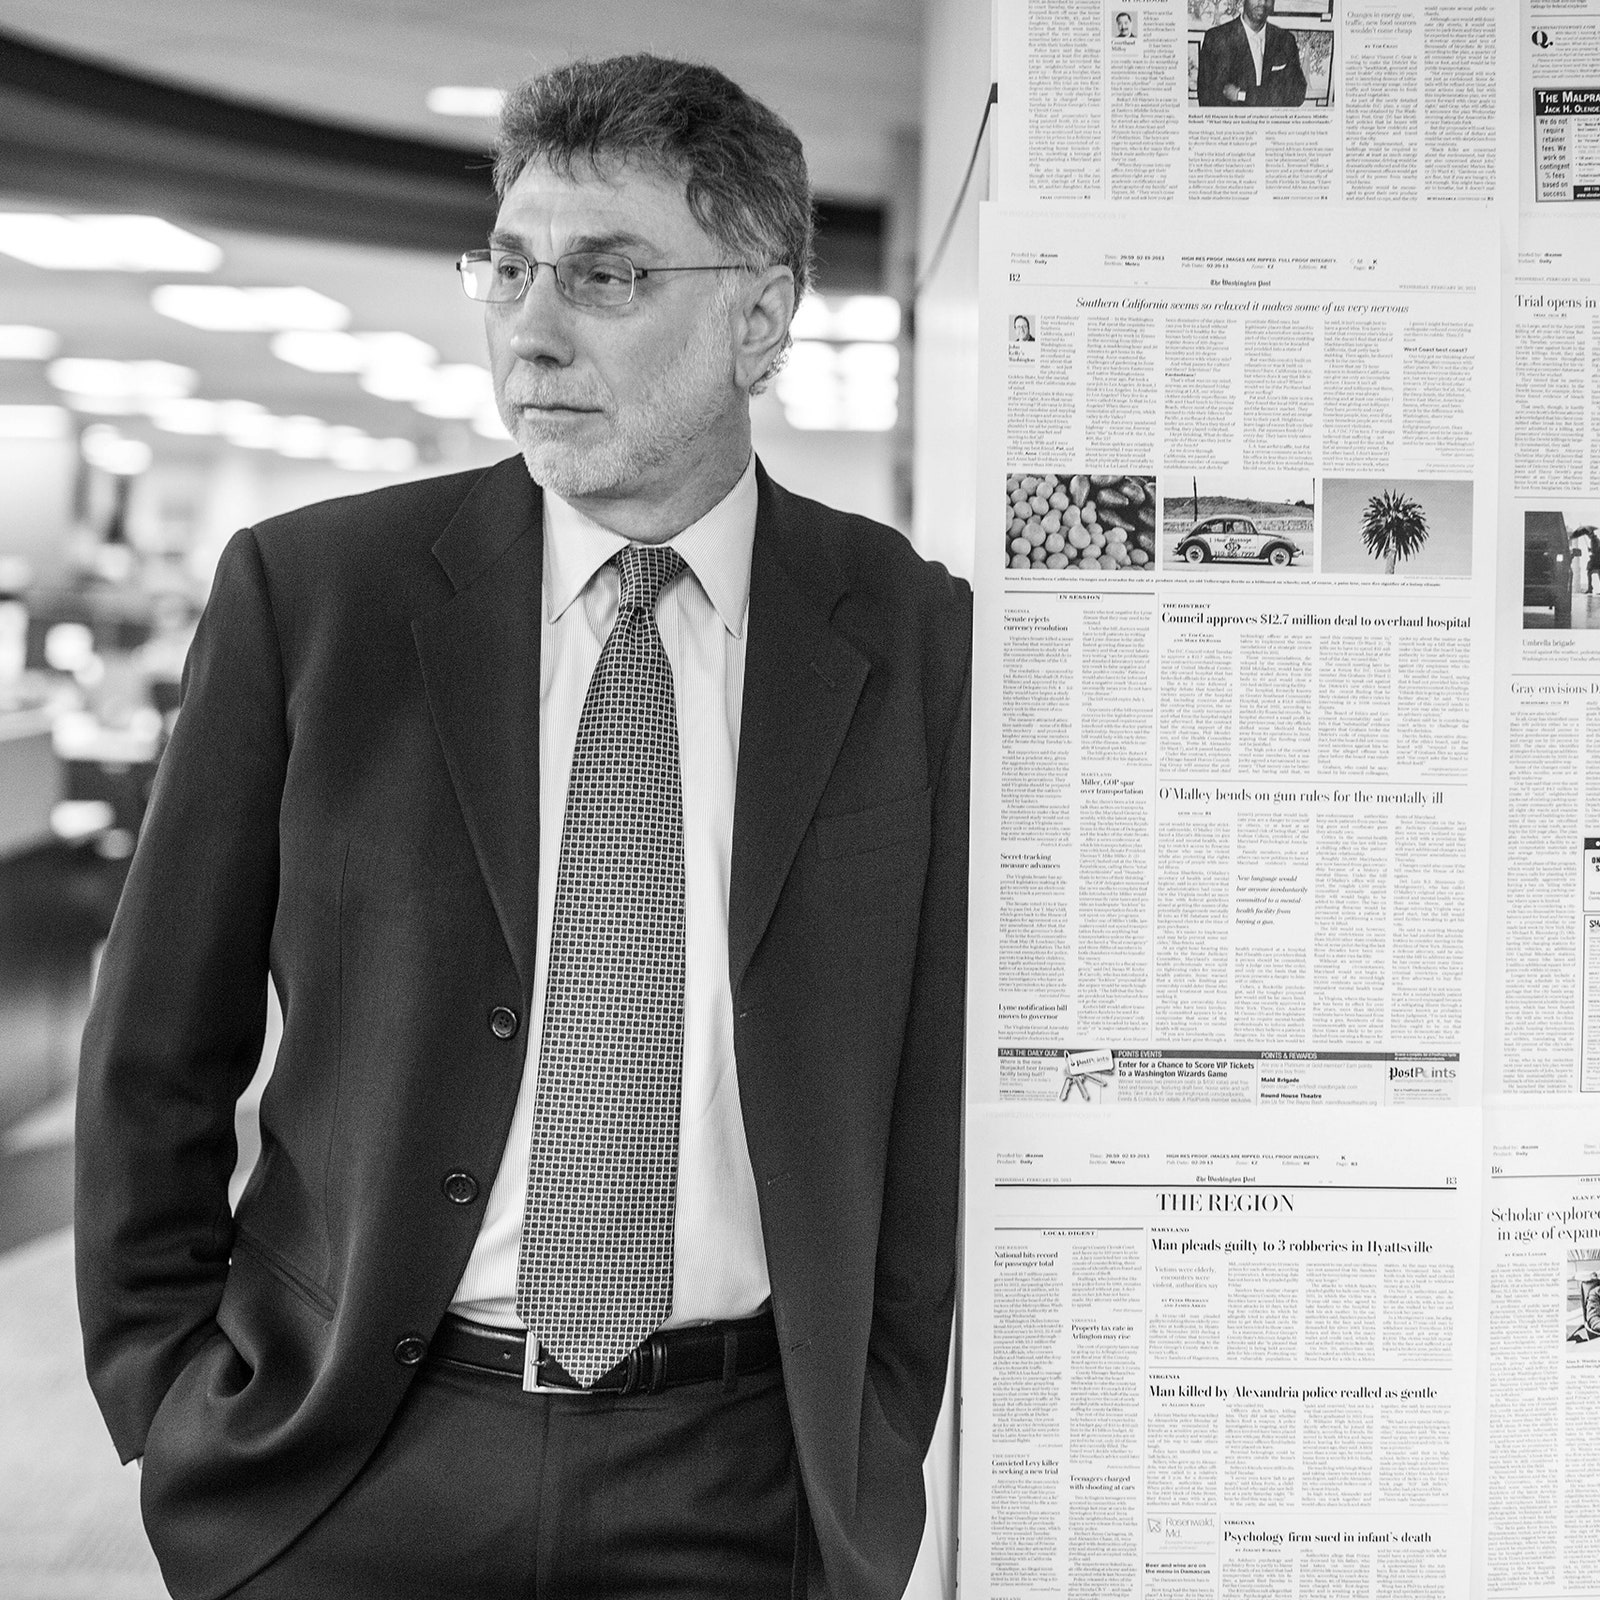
635	273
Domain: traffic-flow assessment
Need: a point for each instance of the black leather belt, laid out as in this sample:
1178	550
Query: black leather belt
667	1358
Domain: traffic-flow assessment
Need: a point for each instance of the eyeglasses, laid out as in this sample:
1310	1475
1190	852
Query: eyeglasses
585	277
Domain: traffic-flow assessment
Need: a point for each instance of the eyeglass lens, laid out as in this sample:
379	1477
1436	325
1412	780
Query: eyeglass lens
586	277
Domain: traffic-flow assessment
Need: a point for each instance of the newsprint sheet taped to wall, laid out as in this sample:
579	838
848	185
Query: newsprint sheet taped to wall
1349	100
1233	663
1559	105
1219	1355
1538	1491
1544	964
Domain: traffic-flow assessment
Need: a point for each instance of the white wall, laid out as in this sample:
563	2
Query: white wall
957	72
956	77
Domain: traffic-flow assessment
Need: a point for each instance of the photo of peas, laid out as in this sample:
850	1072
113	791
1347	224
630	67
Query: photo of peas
1080	521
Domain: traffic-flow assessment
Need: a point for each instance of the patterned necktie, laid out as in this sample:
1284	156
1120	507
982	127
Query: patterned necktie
594	1275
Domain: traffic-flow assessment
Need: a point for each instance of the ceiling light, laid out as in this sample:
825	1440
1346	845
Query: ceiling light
33	422
231	413
107	449
458	389
186	416
457	100
105	405
121	381
352	352
320	352
397	381
303	438
874	317
223	308
251	430
396	349
104	243
19	342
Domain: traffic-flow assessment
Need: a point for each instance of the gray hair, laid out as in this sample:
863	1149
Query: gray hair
742	166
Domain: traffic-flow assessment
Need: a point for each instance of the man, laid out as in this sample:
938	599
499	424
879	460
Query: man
1021	330
601	820
1124	24
1248	62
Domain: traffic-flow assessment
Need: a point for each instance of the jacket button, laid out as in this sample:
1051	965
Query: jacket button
411	1349
460	1188
502	1022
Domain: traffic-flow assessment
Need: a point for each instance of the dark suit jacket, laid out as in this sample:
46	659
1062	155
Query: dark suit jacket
1225	59
351	799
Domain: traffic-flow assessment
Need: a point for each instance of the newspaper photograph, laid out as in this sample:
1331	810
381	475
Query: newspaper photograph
1216	1355
1233	656
1538	1503
1327	100
1545	952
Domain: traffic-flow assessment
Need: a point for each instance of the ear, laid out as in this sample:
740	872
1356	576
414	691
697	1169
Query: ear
765	310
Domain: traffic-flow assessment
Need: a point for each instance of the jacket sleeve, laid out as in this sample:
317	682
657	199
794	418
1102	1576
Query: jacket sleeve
1213	68
915	1283
175	1031
1294	89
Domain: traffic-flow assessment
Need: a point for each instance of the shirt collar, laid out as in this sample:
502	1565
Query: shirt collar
716	549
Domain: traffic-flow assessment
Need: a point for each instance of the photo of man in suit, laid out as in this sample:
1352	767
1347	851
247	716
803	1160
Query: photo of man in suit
600	819
1249	62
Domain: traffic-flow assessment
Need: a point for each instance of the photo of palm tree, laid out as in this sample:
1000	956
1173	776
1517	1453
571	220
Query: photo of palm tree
1397	528
1393	527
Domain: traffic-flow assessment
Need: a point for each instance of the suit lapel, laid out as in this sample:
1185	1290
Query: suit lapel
802	679
480	665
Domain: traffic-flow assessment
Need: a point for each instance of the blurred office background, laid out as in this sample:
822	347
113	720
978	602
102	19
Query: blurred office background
226	289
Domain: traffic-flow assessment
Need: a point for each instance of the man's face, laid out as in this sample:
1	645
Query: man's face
621	402
1256	12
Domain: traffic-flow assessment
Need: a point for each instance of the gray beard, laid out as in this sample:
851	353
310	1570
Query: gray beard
670	421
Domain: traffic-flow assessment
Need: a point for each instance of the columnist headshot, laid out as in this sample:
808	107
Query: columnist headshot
1124	25
1250	62
599	818
1021	330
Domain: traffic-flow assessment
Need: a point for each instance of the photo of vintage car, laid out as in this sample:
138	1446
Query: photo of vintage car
1235	539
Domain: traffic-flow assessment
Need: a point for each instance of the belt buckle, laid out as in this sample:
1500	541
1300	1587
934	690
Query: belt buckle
645	1372
533	1358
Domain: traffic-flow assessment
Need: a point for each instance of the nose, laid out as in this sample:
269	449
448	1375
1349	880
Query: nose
541	323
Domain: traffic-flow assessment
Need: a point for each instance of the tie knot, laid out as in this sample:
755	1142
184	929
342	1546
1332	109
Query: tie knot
646	570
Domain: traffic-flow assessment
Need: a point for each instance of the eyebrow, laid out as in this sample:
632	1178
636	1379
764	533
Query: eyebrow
618	241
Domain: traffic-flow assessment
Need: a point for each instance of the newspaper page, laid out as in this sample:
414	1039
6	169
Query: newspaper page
1219	1355
1545	952
1330	100
1559	104
1538	1492
1233	656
